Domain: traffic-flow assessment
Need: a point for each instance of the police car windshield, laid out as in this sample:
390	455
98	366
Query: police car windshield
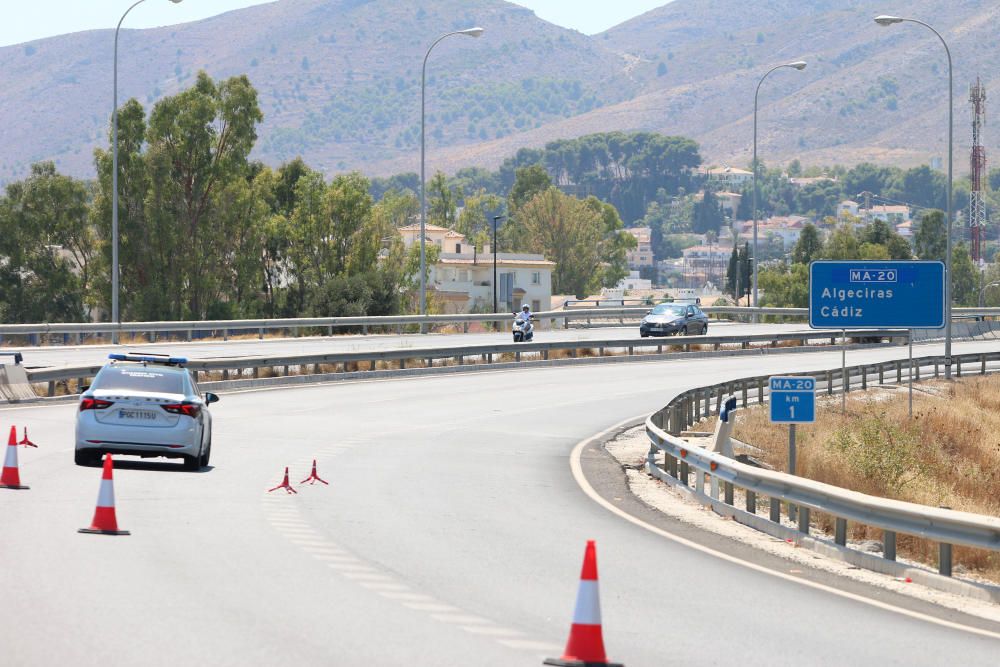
139	378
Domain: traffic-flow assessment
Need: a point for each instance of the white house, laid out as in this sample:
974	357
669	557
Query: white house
731	176
462	278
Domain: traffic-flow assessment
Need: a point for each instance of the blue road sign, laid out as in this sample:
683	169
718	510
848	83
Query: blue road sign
793	399
873	295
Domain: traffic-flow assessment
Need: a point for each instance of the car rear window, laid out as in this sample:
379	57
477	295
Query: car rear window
669	309
139	378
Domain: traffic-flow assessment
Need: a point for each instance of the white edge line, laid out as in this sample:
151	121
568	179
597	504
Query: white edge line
577	468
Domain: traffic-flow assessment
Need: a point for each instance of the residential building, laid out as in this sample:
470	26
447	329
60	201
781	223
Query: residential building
642	256
848	208
461	280
730	202
787	227
634	282
730	176
802	181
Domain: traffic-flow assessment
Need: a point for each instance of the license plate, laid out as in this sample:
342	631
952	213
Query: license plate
137	415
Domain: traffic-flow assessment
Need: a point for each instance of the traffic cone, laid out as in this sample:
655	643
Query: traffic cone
25	441
313	477
284	484
10	478
104	522
585	647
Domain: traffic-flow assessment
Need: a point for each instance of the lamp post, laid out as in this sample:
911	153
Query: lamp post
799	65
115	316
982	292
469	32
496	220
885	20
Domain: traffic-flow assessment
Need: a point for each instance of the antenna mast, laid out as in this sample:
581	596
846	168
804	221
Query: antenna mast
977	204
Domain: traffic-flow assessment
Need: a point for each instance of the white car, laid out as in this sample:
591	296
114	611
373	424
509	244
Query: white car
144	405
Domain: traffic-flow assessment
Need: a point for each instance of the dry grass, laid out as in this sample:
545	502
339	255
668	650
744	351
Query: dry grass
947	455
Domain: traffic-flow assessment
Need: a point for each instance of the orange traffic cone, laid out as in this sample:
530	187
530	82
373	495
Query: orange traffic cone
104	522
25	441
284	484
313	477
585	647
10	478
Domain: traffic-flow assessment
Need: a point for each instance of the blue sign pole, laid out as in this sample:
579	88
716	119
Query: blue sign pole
793	401
865	294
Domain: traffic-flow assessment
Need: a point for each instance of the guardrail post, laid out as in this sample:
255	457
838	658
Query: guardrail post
630	350
517	356
899	372
52	388
371	365
745	392
888	545
944	560
671	465
936	372
402	363
708	402
685	472
256	372
727	488
804	520
775	510
545	355
983	372
840	532
845	381
760	392
829	383
917	368
958	366
260	333
697	408
864	378
751	502
188	334
881	374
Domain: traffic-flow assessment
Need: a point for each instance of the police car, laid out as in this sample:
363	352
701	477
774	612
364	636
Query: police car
144	405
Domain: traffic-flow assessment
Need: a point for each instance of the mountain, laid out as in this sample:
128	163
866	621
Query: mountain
339	81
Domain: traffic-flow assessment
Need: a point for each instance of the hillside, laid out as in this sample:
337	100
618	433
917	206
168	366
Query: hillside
339	80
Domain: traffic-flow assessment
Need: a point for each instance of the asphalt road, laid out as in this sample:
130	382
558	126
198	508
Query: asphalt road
451	533
35	357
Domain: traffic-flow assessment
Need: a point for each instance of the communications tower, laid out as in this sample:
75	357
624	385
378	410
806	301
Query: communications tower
977	205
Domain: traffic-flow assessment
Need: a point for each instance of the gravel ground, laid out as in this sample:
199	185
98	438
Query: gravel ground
629	449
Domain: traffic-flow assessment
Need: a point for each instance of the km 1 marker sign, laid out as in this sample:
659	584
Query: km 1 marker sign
793	399
874	294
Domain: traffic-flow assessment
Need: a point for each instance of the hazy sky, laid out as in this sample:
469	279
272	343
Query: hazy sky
26	20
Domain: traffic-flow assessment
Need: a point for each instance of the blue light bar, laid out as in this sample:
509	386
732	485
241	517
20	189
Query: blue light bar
150	358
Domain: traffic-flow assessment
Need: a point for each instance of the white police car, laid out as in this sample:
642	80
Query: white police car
144	405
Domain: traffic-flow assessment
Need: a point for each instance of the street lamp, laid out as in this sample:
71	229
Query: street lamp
496	220
982	292
884	20
469	32
115	316
799	65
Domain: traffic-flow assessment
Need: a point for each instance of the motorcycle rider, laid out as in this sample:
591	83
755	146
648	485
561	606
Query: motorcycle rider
525	313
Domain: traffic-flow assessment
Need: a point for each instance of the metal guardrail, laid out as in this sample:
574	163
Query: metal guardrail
947	527
487	354
76	333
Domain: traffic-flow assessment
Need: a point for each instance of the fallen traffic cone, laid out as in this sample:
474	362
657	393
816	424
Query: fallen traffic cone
25	441
313	477
284	484
10	478
104	522
585	647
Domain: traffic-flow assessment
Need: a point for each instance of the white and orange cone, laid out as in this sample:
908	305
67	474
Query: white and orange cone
105	522
585	647
11	478
313	477
284	484
25	441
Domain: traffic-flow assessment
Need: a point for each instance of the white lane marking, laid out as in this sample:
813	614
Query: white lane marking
465	619
529	645
387	585
577	468
494	631
431	606
407	597
366	576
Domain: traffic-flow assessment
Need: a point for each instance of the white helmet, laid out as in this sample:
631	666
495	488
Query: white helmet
525	307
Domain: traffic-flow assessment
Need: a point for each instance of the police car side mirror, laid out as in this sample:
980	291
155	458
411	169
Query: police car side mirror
211	398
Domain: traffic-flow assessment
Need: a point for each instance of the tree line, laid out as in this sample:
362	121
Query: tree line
207	233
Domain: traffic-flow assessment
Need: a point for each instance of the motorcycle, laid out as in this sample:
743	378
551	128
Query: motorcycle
523	330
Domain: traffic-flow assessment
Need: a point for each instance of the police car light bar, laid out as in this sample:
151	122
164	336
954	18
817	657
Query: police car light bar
150	358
